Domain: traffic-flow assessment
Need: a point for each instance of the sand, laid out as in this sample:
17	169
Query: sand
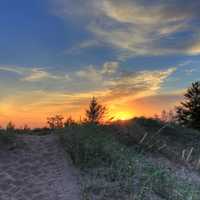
37	170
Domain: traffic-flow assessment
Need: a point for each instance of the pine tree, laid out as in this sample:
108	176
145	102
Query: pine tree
95	113
188	114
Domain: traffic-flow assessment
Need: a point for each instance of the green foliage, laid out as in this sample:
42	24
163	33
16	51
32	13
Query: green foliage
151	135
188	113
7	137
111	170
95	113
131	176
161	182
149	123
86	144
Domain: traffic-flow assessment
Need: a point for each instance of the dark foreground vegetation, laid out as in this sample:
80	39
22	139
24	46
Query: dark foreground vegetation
138	159
7	138
115	160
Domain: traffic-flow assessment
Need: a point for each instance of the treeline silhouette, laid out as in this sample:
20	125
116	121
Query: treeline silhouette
187	114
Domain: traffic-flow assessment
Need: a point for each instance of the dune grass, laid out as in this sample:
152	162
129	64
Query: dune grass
112	170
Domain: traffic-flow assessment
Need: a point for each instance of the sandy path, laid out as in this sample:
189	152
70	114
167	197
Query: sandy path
37	171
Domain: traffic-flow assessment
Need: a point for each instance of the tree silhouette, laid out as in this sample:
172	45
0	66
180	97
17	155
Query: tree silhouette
188	114
69	122
55	122
10	127
96	112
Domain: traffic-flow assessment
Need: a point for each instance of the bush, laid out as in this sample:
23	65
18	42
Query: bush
87	144
7	138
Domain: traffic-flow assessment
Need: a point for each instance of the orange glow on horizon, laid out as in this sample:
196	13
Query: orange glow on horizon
122	115
35	115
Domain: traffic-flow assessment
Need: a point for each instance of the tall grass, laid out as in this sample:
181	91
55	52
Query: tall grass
112	170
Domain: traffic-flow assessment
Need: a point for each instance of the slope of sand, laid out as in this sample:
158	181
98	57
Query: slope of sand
37	170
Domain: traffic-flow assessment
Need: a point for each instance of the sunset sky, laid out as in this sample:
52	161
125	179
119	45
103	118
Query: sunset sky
136	56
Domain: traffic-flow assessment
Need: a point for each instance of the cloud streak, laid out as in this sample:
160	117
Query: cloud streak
29	74
38	74
139	27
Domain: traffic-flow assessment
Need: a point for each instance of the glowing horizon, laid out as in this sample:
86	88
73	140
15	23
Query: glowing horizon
38	117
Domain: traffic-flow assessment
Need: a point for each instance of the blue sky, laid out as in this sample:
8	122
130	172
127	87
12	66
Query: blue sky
56	54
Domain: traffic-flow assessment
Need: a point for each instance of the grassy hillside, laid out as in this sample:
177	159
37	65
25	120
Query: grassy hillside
172	141
138	160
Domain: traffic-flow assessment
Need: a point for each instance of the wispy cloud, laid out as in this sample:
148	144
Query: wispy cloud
139	27
82	45
110	77
38	74
33	74
14	69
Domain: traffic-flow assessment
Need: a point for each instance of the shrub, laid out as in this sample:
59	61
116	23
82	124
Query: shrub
55	122
87	144
7	138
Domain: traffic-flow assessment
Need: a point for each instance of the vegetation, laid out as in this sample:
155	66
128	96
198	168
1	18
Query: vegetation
112	170
69	121
114	159
188	113
55	122
7	137
10	127
169	140
95	113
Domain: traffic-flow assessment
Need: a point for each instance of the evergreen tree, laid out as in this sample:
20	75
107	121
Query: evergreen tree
95	113
188	113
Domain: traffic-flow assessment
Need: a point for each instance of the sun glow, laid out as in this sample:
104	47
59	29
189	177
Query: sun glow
123	115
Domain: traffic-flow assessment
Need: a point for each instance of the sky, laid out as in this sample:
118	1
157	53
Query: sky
136	56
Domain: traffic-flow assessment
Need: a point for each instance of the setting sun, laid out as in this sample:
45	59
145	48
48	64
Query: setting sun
123	115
